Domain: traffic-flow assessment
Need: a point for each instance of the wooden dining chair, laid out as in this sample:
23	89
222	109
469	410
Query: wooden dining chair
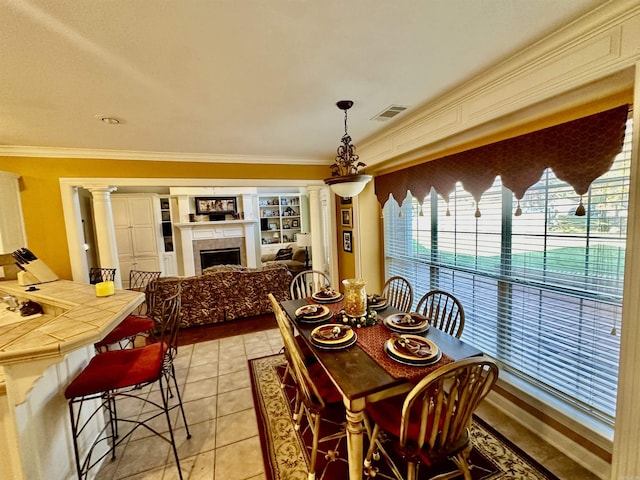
398	292
317	397
431	423
443	310
305	283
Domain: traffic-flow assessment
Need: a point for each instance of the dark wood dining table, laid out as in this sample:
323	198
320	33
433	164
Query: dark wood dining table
361	379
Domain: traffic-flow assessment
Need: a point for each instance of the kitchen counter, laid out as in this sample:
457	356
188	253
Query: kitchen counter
38	358
73	317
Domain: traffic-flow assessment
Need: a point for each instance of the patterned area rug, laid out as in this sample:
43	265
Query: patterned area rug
284	449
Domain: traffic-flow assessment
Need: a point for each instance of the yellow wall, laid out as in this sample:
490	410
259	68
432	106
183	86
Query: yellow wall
42	204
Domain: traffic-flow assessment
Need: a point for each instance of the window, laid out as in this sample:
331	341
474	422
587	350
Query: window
542	291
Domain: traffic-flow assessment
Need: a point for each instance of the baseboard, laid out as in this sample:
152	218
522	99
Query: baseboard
568	446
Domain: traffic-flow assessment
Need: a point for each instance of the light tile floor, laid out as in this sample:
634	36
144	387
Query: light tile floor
214	378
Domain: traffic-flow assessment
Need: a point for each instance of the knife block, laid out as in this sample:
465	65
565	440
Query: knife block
36	272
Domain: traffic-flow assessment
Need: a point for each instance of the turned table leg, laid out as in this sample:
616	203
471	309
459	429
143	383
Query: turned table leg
355	432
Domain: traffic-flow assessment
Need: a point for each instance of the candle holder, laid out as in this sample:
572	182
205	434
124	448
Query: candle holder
355	297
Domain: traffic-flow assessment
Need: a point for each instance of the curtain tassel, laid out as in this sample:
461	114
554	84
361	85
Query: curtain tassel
478	214
518	210
421	214
400	213
580	212
448	213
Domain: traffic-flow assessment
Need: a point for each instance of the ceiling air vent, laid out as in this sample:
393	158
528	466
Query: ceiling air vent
389	112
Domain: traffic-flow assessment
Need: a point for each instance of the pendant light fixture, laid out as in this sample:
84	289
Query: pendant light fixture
346	179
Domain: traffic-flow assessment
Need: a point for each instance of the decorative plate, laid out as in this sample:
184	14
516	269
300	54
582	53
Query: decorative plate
406	322
327	296
333	335
412	350
377	302
313	313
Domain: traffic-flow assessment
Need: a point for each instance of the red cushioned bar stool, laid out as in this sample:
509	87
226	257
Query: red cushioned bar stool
125	374
135	325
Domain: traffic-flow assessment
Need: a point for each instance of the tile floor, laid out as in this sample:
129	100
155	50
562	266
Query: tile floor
219	407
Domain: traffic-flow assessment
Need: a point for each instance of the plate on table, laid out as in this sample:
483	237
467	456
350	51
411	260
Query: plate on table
313	313
406	323
412	350
377	302
333	336
328	295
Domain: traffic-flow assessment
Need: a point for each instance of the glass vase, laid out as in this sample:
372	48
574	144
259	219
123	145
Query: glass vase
355	297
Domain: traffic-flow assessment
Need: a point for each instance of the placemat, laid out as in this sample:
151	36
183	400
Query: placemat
371	340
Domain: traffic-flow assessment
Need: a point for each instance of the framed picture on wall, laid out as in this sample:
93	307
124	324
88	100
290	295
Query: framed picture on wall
215	205
346	217
346	241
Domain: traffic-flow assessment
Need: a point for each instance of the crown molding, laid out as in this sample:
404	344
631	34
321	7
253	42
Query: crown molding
87	153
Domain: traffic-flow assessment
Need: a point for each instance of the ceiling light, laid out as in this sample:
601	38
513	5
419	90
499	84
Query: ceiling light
346	179
108	120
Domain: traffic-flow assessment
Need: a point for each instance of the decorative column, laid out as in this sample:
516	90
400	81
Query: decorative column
105	231
625	463
318	258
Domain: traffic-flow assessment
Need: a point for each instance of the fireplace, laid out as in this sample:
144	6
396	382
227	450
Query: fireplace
220	256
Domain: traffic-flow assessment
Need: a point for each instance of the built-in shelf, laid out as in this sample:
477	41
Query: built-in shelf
280	218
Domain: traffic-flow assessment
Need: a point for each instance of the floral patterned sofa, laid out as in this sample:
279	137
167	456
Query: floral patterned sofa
228	292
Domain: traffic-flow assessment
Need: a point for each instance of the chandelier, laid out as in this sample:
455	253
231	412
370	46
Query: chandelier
346	179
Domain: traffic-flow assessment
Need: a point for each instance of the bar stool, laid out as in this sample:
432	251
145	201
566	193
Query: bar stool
134	325
125	373
97	275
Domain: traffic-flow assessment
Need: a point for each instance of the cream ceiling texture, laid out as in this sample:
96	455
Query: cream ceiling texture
259	79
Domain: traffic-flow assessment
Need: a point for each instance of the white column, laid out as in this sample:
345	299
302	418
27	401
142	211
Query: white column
315	222
105	231
625	463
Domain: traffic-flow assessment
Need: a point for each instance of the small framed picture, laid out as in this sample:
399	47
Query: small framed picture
346	241
273	226
295	223
346	217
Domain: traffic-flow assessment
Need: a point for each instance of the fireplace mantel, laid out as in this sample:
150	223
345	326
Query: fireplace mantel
191	232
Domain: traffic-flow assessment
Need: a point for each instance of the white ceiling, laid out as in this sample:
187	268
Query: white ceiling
243	77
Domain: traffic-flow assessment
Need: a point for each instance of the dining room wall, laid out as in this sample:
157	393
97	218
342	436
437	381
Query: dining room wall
42	204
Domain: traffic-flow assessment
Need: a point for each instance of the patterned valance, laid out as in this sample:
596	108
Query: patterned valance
578	152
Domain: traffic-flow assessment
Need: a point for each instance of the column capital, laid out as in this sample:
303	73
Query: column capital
100	188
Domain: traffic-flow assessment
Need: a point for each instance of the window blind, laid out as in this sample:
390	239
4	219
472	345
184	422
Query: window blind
542	292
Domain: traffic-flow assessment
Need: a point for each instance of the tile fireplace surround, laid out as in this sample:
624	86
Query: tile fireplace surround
196	236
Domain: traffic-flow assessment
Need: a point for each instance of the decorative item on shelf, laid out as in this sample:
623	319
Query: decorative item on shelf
355	297
276	237
346	179
304	240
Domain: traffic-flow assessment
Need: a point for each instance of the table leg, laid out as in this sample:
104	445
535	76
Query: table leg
355	432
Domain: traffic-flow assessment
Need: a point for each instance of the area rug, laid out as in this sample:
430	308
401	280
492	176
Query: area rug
284	451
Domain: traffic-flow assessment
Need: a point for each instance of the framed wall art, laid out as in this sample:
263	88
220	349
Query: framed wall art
215	205
346	217
347	241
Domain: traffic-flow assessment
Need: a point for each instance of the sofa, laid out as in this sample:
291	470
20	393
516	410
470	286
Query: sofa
292	257
228	292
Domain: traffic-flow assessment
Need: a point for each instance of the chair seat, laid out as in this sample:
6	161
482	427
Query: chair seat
325	386
387	414
118	369
132	325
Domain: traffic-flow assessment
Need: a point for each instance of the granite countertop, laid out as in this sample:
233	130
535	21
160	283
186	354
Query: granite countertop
73	318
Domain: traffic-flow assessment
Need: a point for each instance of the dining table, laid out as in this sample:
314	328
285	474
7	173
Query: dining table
364	373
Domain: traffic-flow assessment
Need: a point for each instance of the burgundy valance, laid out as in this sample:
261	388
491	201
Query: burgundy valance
578	152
